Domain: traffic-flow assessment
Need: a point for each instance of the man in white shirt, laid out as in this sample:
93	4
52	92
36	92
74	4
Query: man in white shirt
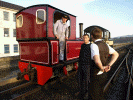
61	33
99	56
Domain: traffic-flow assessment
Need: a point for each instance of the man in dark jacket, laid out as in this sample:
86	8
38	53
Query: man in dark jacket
83	73
99	56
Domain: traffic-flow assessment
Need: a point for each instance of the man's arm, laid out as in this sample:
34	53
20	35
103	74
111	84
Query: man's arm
95	56
114	57
98	62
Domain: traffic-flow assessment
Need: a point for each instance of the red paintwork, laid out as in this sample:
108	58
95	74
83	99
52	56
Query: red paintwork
73	28
54	51
50	22
65	70
43	73
75	66
73	49
35	51
30	28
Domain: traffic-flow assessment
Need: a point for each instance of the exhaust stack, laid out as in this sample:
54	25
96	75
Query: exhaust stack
81	29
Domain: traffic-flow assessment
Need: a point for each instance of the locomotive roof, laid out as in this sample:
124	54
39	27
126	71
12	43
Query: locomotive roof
47	6
90	28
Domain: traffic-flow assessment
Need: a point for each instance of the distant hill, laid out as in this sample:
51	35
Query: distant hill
124	36
123	39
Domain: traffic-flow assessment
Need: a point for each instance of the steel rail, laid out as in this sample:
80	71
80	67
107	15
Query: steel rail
15	88
116	71
22	96
130	82
129	73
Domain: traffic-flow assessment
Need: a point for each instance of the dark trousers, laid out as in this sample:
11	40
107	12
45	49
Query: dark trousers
97	85
83	77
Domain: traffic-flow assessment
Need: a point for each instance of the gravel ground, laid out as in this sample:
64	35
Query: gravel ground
117	90
8	75
58	91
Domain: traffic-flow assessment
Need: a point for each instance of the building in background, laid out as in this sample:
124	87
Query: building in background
8	44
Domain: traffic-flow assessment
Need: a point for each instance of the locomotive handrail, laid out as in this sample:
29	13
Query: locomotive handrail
116	71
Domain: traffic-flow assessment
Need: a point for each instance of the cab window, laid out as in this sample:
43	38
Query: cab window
40	16
19	21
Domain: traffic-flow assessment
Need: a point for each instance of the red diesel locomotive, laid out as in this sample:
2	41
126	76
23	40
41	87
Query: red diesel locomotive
39	49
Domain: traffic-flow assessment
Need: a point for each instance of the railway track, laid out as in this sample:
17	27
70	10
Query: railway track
121	80
116	71
20	92
28	89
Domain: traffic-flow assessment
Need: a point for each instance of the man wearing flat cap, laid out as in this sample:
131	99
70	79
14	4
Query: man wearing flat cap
61	33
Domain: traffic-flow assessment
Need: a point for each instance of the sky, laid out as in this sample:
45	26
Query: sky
114	15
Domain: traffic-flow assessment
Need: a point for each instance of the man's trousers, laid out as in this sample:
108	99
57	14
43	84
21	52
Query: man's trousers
83	76
62	48
97	84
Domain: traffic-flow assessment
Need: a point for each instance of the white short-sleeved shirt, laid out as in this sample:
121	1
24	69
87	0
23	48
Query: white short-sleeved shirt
95	49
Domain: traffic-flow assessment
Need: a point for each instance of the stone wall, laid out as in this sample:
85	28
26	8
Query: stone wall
9	63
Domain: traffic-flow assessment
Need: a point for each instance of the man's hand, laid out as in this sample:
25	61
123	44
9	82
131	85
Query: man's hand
57	37
102	70
66	38
106	68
